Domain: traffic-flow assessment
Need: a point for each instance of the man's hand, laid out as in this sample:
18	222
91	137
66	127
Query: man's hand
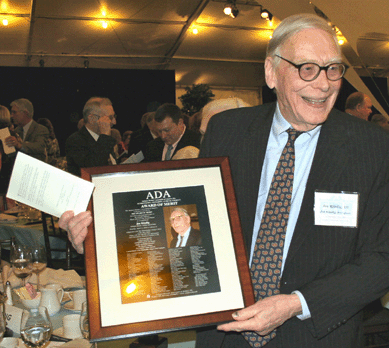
265	315
14	141
77	227
105	124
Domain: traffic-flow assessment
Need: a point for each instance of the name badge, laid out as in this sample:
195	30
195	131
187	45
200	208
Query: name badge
336	209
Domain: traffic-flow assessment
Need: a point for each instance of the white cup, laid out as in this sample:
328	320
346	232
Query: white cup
71	326
78	297
9	342
58	288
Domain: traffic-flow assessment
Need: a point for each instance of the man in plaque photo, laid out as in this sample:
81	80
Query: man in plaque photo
186	235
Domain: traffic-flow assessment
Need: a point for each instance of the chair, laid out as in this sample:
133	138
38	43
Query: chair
59	235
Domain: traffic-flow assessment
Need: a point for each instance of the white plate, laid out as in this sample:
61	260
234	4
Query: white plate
59	332
70	306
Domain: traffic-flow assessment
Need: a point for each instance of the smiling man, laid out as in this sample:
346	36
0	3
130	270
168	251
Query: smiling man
173	134
295	164
313	203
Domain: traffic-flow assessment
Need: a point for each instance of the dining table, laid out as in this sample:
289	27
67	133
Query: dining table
29	233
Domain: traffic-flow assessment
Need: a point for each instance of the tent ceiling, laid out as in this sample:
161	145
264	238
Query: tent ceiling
157	34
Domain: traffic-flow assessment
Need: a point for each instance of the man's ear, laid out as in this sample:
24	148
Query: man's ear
270	74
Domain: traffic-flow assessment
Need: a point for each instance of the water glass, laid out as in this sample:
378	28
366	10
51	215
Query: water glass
35	327
84	321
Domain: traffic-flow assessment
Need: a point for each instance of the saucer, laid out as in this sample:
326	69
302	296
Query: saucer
70	306
59	332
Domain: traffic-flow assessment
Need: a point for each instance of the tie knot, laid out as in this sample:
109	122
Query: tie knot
293	134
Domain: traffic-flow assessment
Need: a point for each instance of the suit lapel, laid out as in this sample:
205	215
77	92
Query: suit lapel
253	154
328	163
30	131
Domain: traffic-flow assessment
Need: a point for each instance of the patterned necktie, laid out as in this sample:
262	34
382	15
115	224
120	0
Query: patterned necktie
267	257
168	152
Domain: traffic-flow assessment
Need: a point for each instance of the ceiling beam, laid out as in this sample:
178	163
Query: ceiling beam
31	32
126	56
136	21
184	31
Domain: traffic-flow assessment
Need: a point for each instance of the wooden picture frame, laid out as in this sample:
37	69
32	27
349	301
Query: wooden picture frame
139	280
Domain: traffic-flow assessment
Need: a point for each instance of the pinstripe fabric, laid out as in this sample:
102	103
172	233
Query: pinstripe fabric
338	270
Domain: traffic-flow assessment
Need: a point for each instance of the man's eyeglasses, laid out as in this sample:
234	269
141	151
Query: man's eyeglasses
310	71
178	217
110	117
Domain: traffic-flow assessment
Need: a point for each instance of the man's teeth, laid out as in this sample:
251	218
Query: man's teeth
315	101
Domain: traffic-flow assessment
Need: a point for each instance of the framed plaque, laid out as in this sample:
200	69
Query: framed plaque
165	250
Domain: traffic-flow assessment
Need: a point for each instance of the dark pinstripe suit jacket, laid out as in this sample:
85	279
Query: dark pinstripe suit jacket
338	270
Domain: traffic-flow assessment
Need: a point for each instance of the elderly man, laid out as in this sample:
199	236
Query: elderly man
309	195
359	104
186	235
92	145
32	137
173	134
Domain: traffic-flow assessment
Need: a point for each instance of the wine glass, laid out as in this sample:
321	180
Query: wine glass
84	321
2	316
39	262
35	327
20	258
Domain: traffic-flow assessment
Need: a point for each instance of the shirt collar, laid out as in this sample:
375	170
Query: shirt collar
26	127
93	134
281	125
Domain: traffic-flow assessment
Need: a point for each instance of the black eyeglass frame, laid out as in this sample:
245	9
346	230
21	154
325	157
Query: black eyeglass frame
325	68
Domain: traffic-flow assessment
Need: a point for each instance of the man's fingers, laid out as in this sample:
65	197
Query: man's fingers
64	219
77	227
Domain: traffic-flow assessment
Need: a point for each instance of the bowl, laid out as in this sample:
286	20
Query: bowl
34	303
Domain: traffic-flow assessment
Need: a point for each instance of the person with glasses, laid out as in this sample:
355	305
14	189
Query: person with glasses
331	241
185	235
31	137
92	145
329	269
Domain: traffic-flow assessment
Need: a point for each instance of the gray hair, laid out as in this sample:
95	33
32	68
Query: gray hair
182	210
24	105
93	106
216	106
292	26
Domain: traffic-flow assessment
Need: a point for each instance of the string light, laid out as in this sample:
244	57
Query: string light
195	31
104	24
5	22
